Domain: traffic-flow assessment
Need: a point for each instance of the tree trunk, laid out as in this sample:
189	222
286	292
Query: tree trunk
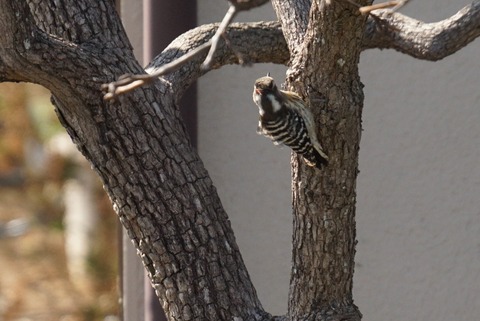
324	70
138	146
156	181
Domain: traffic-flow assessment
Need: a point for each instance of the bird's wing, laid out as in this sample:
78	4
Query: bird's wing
300	106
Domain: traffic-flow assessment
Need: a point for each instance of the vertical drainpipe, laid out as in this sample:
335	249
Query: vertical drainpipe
163	21
131	268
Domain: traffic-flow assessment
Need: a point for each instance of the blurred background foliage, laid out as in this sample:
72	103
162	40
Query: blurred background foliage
37	280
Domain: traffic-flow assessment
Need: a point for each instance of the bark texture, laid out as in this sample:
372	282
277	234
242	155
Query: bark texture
325	72
428	41
421	40
138	146
269	34
156	181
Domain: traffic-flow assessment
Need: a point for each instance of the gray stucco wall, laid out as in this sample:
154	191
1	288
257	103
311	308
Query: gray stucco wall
418	217
419	187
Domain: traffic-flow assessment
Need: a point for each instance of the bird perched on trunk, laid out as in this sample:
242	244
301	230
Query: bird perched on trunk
285	119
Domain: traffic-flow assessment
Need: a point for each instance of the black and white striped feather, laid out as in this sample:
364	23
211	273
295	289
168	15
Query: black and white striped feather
286	120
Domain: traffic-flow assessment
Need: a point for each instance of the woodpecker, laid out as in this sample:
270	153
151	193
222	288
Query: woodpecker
285	119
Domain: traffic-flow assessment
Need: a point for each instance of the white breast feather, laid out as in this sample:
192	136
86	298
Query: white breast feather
276	106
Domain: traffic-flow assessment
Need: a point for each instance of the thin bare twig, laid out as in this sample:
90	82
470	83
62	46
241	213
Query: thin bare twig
240	47
128	83
394	5
400	4
231	13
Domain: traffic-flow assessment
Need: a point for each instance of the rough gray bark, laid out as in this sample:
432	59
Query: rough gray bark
428	41
291	14
325	72
273	50
156	181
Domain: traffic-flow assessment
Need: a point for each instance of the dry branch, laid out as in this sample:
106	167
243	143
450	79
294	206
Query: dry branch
388	30
231	13
245	37
427	41
130	82
393	5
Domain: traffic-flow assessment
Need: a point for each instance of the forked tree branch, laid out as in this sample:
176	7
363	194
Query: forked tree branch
256	42
264	42
129	82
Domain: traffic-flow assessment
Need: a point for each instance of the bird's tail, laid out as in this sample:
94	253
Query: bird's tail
314	158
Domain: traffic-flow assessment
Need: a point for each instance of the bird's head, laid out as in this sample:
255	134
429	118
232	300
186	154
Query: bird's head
267	96
265	85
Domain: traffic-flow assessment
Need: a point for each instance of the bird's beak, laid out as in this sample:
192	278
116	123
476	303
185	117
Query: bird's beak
258	91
